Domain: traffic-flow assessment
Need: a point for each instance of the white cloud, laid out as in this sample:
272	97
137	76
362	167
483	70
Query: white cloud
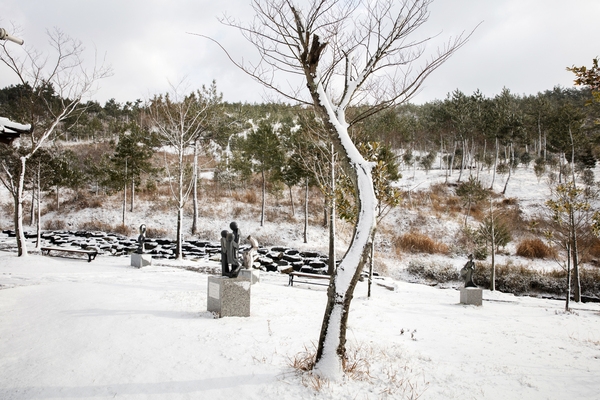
524	45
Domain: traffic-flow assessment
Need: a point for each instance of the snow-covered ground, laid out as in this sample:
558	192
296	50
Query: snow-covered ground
72	329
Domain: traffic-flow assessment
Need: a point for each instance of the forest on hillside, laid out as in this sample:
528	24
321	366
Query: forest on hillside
105	148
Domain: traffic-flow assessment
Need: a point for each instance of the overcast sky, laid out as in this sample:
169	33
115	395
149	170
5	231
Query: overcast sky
524	45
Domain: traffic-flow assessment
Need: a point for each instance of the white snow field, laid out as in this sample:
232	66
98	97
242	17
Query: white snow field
70	329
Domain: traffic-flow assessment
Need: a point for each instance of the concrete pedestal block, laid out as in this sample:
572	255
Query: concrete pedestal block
472	296
229	297
140	260
250	274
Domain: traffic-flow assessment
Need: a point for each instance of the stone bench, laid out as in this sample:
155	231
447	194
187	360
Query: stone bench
91	254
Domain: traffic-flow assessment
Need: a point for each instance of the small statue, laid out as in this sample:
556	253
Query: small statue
232	255
236	232
141	239
224	263
250	254
466	273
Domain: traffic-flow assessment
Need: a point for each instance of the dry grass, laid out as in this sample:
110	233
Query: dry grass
54	225
595	248
382	371
122	229
156	233
415	242
535	248
95	225
249	196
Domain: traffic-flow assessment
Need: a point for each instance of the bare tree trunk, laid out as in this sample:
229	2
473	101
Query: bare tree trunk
325	211
124	194
510	163
180	205
452	159
493	280
38	221
131	205
195	190
306	212
567	308
332	215
539	125
495	166
463	160
32	207
577	280
292	201
371	260
263	202
19	233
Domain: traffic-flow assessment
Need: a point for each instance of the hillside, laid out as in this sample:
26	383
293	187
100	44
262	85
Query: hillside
429	208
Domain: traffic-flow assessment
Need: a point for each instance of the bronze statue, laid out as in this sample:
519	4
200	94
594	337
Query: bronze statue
141	239
466	273
224	261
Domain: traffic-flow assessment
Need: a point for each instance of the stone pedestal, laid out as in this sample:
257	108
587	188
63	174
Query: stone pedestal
229	297
252	275
140	260
472	296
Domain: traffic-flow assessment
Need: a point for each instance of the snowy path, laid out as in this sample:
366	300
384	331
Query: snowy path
72	329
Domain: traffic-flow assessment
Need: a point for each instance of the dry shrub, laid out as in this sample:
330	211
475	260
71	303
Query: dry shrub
433	271
156	233
534	248
208	234
8	209
522	280
415	242
82	202
595	248
453	204
54	225
237	211
247	196
439	189
476	212
122	229
160	206
95	225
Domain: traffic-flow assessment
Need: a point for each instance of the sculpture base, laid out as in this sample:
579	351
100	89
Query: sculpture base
249	274
229	297
140	260
471	296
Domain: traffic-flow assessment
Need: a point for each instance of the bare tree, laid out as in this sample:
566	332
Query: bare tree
51	89
347	53
181	119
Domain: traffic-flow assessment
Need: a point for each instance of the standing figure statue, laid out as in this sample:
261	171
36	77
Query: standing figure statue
466	273
236	232
250	254
224	262
141	239
232	252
